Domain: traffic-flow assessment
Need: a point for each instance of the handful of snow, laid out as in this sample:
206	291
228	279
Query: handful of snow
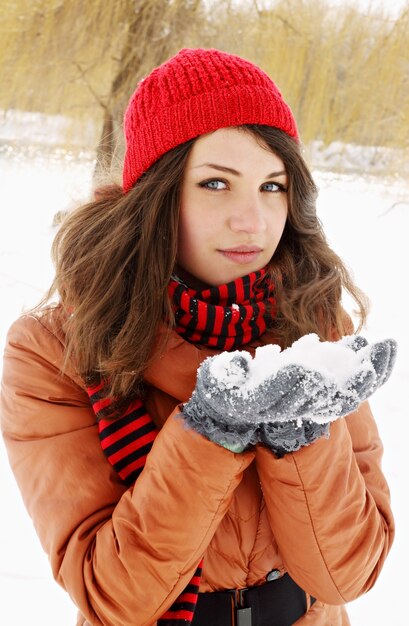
312	381
335	361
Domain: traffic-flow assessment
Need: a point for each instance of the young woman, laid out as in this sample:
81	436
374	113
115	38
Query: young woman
162	493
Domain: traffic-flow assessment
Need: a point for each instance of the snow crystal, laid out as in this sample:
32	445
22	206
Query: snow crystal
335	361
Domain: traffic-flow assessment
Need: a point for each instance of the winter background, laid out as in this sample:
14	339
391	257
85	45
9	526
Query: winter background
366	218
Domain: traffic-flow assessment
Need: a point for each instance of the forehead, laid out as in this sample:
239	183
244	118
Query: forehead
231	146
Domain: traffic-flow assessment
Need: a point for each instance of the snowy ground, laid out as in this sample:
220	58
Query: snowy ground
367	221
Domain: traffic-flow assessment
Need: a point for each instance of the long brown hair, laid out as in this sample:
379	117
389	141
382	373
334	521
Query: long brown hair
114	258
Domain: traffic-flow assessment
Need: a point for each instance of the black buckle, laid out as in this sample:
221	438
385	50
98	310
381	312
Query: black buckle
281	602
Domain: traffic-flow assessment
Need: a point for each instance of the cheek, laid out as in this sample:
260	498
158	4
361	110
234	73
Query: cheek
196	222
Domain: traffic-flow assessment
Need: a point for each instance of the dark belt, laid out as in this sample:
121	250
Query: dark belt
280	602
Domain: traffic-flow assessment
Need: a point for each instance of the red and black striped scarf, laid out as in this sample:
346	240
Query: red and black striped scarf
225	317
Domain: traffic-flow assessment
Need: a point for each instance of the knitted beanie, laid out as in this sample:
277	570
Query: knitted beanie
196	92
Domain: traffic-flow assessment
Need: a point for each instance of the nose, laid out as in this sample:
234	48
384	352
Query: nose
248	216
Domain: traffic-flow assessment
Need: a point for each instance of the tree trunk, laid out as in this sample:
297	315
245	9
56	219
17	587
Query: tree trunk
105	148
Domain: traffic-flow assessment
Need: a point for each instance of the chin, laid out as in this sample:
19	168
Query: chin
231	277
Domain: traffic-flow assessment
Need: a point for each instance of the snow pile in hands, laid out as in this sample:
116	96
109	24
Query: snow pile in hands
335	361
313	380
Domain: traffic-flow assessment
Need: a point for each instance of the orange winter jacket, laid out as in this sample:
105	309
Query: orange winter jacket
125	554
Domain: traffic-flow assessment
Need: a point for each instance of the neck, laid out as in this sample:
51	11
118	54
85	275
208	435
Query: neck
189	279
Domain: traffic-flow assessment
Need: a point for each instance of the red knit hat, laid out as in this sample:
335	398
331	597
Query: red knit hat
196	92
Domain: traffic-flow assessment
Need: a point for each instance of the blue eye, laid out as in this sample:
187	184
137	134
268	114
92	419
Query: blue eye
273	187
218	184
214	184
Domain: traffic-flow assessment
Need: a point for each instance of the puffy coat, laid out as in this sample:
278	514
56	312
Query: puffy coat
125	554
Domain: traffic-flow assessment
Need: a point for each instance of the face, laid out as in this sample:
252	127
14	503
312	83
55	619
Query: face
233	207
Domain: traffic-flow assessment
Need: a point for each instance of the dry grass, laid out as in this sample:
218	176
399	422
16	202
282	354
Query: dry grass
345	74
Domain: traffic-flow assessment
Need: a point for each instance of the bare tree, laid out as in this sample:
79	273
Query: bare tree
85	59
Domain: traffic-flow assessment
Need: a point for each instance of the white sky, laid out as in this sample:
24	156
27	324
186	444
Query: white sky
393	7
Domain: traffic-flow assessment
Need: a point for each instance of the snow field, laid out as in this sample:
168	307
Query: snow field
366	221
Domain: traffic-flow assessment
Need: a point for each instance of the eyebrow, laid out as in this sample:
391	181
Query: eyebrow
230	170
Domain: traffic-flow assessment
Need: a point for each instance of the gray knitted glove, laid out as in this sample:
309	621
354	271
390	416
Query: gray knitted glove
219	411
329	402
322	399
287	410
270	414
290	436
381	354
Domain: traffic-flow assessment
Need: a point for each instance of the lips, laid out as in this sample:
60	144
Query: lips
242	254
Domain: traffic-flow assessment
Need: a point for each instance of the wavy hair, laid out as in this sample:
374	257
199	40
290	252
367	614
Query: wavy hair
308	275
114	257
